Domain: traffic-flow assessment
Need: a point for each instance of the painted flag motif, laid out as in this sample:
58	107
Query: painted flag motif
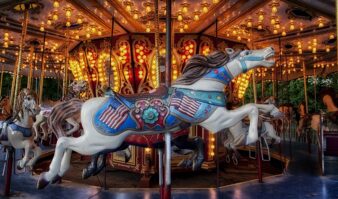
186	105
114	117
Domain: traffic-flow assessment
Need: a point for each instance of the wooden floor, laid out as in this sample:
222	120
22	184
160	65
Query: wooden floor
301	180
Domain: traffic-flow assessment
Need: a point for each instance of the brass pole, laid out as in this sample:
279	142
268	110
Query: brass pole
254	86
157	43
337	29
19	60
2	78
273	83
262	84
29	79
168	45
305	88
42	74
65	72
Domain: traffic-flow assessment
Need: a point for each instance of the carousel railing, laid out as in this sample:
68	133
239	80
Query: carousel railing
327	142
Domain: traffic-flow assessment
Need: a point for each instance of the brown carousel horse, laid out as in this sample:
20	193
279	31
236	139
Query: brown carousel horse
312	121
5	108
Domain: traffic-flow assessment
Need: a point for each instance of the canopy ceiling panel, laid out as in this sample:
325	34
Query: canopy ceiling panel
299	29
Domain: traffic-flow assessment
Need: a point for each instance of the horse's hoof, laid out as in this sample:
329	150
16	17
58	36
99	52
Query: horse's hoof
57	179
42	182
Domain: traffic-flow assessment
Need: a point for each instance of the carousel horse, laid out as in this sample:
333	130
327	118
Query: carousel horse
75	88
235	135
5	108
17	132
312	121
197	97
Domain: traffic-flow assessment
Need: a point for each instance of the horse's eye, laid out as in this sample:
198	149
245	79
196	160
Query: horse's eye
28	98
247	52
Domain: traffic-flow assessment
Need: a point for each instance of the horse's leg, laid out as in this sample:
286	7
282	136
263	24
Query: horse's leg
269	108
36	125
271	132
103	156
65	163
196	144
44	130
37	152
91	168
27	146
223	118
75	124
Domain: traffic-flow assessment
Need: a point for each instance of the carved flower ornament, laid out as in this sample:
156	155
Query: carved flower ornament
150	115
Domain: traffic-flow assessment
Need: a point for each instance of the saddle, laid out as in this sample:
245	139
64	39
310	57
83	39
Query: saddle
159	92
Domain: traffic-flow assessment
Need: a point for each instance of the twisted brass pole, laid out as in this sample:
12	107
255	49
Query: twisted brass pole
42	75
2	78
16	75
29	79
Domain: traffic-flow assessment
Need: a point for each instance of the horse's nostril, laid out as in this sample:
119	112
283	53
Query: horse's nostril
272	48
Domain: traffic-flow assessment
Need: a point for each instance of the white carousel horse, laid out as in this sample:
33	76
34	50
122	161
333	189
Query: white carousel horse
239	131
236	134
197	97
18	132
75	88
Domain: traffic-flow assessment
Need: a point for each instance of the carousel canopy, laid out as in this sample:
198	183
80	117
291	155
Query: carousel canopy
299	30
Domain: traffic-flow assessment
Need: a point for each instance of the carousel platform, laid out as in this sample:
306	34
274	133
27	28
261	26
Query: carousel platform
300	180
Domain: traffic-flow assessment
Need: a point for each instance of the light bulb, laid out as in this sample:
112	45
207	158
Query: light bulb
55	17
148	8
185	9
274	9
79	21
205	9
196	17
179	17
56	4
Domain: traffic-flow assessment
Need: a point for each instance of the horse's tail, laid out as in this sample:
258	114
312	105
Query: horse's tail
60	113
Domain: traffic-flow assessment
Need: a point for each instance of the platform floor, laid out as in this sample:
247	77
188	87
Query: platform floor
300	181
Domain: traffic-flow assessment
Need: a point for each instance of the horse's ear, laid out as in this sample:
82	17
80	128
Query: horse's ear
229	51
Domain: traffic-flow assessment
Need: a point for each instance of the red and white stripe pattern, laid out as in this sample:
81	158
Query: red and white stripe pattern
186	105
114	117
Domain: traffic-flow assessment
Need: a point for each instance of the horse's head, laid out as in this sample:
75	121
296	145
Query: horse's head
4	101
78	86
27	100
252	58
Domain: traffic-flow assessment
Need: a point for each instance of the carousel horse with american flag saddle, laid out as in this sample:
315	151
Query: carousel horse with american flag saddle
16	131
197	97
40	126
180	139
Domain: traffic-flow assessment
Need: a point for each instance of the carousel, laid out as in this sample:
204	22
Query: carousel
168	99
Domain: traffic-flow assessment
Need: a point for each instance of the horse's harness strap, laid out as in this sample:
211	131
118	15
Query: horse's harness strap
249	58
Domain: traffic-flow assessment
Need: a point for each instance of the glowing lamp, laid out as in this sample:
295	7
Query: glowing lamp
56	4
179	17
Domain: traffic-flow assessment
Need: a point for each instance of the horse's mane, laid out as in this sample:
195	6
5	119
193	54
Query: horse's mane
199	65
60	113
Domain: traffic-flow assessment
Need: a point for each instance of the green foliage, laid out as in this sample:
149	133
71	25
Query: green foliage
51	88
292	92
